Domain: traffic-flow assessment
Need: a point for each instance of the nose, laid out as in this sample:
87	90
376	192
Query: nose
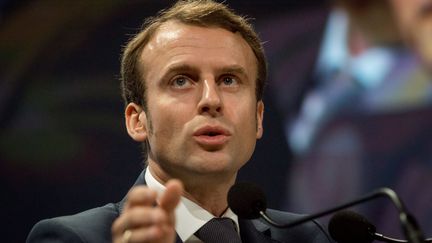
210	102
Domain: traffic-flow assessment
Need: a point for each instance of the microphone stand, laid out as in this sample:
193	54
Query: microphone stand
409	225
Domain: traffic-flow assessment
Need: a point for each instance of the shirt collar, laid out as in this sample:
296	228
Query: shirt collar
189	215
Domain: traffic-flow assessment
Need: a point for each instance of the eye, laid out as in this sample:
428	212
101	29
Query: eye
180	82
229	81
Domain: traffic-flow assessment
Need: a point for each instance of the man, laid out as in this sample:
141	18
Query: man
193	81
360	123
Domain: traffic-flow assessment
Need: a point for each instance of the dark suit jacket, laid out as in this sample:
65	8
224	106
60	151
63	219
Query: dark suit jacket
94	225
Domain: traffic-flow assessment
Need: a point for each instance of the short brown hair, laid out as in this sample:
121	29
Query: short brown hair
205	13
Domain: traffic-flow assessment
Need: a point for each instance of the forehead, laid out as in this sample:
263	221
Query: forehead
174	41
174	31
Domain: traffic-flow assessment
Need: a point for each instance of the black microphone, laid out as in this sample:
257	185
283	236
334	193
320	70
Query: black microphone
248	201
350	227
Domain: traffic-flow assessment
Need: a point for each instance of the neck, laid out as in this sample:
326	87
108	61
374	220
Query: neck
213	199
209	191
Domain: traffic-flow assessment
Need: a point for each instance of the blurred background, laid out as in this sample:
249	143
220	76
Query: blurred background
348	106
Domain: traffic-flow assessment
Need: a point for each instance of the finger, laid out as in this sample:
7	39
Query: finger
172	194
118	226
140	195
149	234
153	233
138	217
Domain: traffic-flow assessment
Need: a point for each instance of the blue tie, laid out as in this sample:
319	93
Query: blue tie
219	230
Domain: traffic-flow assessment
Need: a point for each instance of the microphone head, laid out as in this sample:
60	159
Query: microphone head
350	227
246	200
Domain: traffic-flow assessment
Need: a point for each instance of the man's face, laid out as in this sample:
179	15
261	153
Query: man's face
415	22
201	101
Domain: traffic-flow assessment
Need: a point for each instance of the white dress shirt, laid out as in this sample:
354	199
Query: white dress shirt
189	215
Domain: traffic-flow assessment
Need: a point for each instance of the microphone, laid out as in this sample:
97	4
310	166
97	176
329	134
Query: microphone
350	227
248	201
347	226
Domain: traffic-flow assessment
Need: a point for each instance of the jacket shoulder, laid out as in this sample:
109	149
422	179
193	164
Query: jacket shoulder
93	225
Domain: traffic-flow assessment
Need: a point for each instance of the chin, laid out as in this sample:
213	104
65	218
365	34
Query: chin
213	164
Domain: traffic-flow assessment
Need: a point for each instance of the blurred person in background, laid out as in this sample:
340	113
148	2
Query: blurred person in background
364	121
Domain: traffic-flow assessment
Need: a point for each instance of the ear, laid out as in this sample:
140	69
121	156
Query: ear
260	117
136	122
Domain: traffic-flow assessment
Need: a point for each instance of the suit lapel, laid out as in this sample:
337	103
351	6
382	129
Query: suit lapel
139	181
258	233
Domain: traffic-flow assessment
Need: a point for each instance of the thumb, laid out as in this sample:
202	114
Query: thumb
171	196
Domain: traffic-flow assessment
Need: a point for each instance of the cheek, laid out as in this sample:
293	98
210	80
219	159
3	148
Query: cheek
246	117
169	120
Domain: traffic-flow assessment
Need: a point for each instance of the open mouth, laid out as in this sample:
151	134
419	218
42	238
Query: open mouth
212	134
211	131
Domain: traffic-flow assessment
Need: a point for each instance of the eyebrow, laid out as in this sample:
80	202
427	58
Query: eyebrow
186	68
235	69
177	68
181	68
